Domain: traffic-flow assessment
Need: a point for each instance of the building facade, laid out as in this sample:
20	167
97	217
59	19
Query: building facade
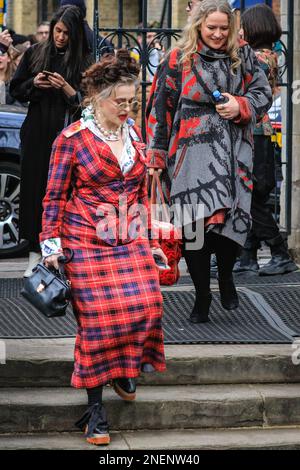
24	15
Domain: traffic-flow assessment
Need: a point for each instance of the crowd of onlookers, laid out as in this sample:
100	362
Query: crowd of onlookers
12	48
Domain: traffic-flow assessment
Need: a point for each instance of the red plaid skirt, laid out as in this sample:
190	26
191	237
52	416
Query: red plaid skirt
118	306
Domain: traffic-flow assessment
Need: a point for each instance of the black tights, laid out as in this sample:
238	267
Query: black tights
198	261
34	246
94	395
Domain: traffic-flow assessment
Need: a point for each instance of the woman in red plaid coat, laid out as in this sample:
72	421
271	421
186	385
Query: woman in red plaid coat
97	177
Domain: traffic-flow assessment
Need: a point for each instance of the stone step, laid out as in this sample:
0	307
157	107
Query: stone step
156	407
49	363
173	440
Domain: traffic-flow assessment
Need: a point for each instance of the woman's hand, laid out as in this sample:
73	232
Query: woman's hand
40	81
229	110
58	82
152	170
52	261
5	38
159	252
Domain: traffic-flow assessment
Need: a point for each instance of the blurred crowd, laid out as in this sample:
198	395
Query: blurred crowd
12	49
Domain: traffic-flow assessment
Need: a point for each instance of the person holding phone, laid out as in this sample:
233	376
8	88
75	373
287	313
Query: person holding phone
48	77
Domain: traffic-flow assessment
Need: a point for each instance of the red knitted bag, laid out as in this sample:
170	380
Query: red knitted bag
169	237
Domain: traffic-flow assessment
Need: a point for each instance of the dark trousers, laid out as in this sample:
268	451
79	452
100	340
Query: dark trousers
264	227
198	261
34	246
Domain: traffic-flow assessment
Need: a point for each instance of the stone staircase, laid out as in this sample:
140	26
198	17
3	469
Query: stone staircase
211	397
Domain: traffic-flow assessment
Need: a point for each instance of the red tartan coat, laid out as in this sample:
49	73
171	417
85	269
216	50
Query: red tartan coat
115	289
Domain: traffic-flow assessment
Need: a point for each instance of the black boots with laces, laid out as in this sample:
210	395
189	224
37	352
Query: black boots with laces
280	262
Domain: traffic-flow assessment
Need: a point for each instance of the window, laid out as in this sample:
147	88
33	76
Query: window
46	8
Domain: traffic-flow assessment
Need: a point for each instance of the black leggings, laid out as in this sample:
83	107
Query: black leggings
94	395
33	246
198	261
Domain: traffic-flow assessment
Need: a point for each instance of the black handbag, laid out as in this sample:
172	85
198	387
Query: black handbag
48	289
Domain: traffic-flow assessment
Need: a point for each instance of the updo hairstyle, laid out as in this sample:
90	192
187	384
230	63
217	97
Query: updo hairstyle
110	72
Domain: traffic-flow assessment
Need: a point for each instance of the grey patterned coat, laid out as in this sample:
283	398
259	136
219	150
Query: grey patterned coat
208	159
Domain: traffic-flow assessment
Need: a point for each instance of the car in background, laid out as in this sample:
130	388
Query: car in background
11	120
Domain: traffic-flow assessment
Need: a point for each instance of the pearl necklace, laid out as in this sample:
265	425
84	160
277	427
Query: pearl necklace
107	133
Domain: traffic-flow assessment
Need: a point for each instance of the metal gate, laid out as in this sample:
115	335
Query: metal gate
137	40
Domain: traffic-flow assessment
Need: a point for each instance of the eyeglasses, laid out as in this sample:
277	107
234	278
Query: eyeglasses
126	104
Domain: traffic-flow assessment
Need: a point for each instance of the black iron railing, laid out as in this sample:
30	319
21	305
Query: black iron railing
137	41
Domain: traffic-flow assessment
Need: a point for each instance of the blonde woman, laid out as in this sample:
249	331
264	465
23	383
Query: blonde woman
205	150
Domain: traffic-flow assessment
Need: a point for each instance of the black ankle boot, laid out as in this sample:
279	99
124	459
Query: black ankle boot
201	309
280	263
247	262
125	388
228	294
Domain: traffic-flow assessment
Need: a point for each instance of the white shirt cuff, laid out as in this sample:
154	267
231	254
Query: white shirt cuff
52	246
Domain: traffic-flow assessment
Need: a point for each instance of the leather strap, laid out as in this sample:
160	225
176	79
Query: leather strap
156	187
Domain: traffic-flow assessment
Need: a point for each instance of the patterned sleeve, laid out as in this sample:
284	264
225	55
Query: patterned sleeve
59	181
161	108
268	61
257	97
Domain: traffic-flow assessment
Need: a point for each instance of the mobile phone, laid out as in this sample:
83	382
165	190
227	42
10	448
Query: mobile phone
45	72
159	262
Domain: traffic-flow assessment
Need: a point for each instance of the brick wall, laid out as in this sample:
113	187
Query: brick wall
155	8
24	13
109	12
24	16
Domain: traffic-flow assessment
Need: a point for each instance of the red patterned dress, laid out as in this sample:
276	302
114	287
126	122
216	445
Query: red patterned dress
116	294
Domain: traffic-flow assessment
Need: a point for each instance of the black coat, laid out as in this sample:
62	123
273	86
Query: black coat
47	115
106	46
